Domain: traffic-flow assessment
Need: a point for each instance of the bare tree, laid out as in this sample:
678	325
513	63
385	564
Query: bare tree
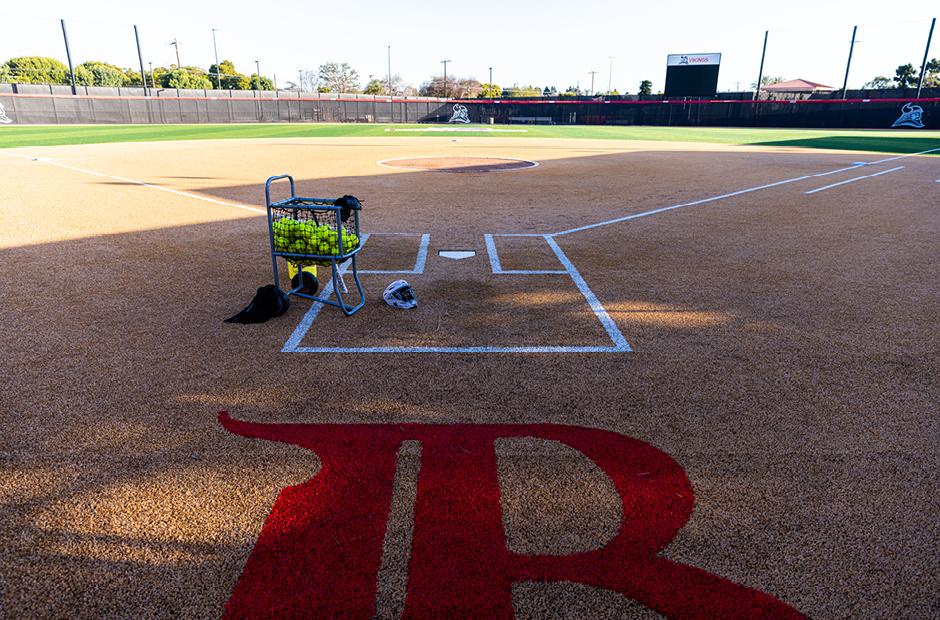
461	88
338	78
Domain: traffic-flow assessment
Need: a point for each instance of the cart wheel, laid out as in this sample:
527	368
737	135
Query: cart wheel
311	284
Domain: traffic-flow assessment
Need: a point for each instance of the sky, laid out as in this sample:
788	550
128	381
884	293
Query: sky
549	43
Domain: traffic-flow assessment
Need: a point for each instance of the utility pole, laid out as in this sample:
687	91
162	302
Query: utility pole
140	58
849	63
218	69
610	72
68	54
760	73
445	77
389	70
491	81
923	65
592	81
176	44
300	80
153	83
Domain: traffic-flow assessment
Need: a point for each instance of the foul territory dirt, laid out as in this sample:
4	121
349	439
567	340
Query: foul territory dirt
770	445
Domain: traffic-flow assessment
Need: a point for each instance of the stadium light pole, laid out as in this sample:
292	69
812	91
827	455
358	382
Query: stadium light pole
258	73
68	54
610	72
760	72
491	81
218	69
389	70
923	65
153	82
592	81
140	59
845	83
444	62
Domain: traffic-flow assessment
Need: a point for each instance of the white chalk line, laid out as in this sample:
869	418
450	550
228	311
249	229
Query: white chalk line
852	180
51	162
634	216
748	190
293	343
620	344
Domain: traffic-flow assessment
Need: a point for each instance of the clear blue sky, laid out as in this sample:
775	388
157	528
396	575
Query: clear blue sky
552	42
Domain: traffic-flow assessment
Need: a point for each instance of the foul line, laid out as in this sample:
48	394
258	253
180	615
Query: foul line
627	218
852	180
45	160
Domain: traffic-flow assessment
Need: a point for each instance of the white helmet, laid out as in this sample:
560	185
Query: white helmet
399	294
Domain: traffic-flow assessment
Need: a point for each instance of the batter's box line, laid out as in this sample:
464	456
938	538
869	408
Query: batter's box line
620	344
420	261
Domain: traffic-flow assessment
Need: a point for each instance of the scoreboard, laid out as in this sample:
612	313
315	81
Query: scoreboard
692	75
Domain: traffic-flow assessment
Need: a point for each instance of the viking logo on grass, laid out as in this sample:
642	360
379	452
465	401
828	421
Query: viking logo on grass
3	116
320	551
911	116
460	114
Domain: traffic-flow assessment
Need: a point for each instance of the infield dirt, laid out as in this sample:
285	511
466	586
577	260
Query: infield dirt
785	356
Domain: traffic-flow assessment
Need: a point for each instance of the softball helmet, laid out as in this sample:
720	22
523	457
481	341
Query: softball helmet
399	294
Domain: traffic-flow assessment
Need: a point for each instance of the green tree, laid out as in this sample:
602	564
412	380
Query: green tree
905	76
572	91
339	78
230	78
102	74
375	87
766	81
257	82
932	73
133	77
186	77
522	91
646	87
490	91
879	83
36	70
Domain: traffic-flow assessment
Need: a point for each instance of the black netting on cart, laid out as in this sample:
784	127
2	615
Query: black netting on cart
319	234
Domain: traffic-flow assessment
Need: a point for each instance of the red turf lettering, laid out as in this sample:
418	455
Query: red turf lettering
320	548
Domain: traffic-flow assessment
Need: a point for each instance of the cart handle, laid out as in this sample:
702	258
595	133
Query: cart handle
267	187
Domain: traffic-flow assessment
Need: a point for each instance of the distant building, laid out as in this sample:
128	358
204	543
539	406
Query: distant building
798	86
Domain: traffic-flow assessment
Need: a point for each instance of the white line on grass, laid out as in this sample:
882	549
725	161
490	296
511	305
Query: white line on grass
852	180
46	160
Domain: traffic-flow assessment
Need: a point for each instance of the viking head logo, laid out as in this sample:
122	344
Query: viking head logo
460	114
911	116
3	116
683	60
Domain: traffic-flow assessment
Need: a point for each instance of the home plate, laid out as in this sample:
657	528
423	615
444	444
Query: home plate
457	254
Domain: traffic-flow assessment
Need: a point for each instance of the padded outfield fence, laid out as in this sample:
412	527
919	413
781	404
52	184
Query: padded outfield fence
34	104
55	105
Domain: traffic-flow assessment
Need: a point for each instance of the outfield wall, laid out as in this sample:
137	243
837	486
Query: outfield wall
49	105
809	113
130	106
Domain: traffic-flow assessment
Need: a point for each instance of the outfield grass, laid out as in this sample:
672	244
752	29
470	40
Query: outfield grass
862	140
